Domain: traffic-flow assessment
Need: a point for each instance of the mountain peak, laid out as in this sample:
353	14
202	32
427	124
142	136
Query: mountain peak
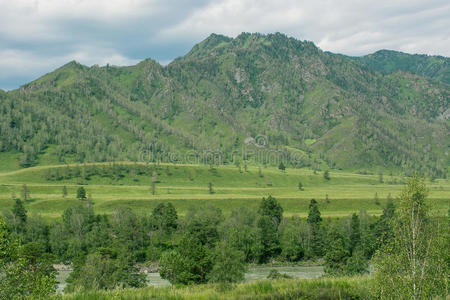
207	45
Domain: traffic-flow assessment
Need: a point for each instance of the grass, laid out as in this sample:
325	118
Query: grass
187	185
324	288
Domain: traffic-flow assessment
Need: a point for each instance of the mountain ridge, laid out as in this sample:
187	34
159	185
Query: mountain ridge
226	90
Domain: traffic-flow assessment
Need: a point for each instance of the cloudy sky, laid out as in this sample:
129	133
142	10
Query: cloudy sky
37	36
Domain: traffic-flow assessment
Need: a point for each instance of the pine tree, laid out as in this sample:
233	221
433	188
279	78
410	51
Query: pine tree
20	216
326	175
314	220
281	166
64	191
300	186
19	211
355	233
210	188
81	193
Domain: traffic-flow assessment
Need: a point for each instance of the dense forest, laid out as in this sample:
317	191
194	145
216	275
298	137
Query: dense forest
235	98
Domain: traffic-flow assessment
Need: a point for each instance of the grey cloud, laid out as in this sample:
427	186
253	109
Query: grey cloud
38	36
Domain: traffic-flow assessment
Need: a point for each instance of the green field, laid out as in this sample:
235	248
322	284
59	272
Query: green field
187	185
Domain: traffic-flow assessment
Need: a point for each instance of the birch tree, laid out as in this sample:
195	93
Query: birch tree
413	264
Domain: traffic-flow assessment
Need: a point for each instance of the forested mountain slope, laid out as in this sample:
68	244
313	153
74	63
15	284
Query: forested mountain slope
258	92
388	62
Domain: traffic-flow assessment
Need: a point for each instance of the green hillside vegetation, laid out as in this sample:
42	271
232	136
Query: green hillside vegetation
388	62
252	99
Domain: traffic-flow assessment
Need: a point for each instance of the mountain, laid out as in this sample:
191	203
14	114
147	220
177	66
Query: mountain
256	97
388	62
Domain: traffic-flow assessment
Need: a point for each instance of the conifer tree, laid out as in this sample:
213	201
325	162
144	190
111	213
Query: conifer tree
81	193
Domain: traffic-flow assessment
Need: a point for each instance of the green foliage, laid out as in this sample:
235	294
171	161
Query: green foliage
268	239
271	208
326	175
355	233
388	61
203	224
165	218
274	274
81	193
229	264
241	232
190	263
271	214
19	216
104	271
356	264
414	264
281	166
336	255
292	239
314	221
26	269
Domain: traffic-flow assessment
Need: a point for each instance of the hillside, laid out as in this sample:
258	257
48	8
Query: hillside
256	97
388	62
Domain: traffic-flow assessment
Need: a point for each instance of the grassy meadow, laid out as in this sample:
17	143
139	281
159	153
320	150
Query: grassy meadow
188	185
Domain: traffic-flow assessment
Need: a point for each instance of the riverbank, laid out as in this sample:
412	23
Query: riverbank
322	288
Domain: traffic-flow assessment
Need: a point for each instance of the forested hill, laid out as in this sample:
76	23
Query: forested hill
388	62
264	92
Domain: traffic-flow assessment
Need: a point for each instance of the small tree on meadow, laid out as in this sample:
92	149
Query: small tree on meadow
210	188
326	175
64	191
376	199
25	193
281	166
81	193
300	186
153	187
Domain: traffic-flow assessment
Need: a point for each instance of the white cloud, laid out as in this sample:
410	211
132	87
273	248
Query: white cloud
37	36
351	27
